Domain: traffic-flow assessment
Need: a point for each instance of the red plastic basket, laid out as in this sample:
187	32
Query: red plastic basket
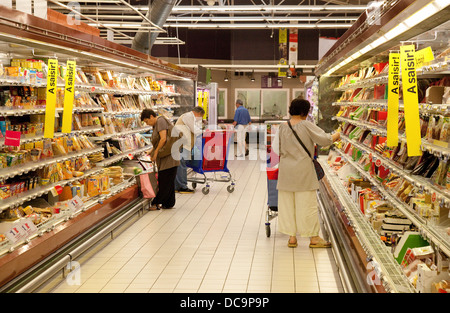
272	173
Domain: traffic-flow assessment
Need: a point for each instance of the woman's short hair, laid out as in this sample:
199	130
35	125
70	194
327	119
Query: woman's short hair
146	113
299	107
199	109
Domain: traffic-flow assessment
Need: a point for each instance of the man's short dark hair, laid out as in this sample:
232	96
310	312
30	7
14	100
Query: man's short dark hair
146	113
299	107
199	109
239	101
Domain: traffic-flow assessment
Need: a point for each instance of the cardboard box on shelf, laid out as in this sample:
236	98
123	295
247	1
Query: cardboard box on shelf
434	94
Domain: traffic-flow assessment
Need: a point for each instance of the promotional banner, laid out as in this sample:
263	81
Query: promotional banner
410	100
69	92
393	97
293	46
282	47
50	107
423	56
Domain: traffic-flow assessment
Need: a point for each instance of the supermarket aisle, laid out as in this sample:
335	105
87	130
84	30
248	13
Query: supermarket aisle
213	243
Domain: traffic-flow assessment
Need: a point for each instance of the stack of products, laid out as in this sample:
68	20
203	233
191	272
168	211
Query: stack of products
364	73
426	269
42	149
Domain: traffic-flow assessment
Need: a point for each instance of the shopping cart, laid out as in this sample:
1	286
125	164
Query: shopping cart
210	155
272	176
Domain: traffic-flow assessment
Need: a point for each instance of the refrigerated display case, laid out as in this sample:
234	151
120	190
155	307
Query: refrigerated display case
388	211
63	192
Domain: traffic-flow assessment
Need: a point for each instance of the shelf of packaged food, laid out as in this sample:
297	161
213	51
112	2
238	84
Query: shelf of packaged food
29	195
139	111
440	67
435	147
119	157
387	268
419	181
84	130
22	112
124	133
434	233
20	169
21	81
7	247
424	108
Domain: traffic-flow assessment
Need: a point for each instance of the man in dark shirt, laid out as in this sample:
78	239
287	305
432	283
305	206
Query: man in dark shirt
241	122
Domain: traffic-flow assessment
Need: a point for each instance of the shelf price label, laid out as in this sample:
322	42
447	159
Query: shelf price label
75	204
423	56
393	99
410	99
50	106
68	97
21	230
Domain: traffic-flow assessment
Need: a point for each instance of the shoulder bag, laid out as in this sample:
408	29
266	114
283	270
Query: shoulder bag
170	140
319	170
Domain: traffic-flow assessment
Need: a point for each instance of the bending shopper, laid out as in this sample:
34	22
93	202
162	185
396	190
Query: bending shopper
166	164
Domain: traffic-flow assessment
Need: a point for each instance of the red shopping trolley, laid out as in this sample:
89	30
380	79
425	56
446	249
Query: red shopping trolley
210	155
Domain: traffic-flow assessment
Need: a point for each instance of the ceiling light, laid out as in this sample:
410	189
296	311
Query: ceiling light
240	26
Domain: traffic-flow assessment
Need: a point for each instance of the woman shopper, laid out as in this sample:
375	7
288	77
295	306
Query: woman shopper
166	165
297	179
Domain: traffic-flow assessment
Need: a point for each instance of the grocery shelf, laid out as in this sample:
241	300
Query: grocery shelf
29	195
20	169
388	270
122	156
421	182
430	147
124	133
22	112
84	130
439	68
436	234
424	108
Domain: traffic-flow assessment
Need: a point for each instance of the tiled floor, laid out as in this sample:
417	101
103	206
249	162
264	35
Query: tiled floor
208	243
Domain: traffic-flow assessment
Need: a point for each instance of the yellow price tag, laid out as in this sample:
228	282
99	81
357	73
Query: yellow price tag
410	99
69	92
423	56
393	98
50	107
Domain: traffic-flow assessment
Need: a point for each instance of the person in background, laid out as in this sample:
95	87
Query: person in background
167	165
297	179
241	122
190	125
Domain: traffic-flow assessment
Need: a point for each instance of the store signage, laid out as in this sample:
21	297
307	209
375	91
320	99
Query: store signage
393	98
271	82
423	56
282	48
50	107
12	138
69	92
293	46
410	100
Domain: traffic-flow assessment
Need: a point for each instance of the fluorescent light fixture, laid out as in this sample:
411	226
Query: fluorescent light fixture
257	19
254	66
414	19
263	8
239	26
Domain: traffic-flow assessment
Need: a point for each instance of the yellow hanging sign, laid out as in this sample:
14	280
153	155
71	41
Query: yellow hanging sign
410	100
423	56
393	97
50	106
69	92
